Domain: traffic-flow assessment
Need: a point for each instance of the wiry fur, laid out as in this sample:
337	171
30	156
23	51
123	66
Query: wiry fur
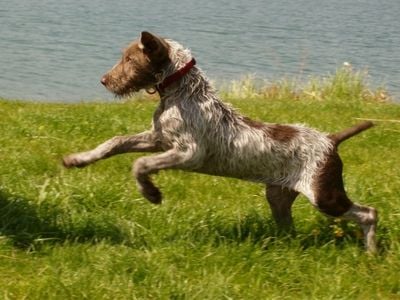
195	131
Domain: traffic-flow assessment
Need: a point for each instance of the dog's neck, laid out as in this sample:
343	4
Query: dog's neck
175	77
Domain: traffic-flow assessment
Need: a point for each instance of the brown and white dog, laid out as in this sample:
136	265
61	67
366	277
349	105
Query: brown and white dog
193	130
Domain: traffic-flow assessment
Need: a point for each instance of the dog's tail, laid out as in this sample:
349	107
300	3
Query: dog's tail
341	136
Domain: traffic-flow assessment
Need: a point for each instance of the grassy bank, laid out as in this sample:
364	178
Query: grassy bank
88	234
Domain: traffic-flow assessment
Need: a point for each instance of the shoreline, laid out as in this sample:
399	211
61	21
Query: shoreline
346	81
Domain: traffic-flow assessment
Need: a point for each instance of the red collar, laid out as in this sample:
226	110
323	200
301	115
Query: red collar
176	76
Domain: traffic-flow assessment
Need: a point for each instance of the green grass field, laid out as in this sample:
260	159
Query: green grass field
88	234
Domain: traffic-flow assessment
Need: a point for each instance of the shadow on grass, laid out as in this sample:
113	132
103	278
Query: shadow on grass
250	227
261	230
28	226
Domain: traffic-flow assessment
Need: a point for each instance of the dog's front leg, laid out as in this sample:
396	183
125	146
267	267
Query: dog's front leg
144	166
143	142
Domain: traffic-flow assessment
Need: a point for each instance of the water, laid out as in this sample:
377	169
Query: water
57	50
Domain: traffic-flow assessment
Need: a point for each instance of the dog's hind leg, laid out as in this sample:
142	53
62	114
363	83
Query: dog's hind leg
331	199
367	218
334	204
280	200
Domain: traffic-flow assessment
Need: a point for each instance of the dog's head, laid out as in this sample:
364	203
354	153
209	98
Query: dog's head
141	67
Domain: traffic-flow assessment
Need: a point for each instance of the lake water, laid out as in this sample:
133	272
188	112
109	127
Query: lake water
58	50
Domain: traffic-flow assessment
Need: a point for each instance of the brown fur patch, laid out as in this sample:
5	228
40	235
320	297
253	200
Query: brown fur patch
331	197
278	132
282	133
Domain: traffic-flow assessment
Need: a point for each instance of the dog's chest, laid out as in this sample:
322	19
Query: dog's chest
176	124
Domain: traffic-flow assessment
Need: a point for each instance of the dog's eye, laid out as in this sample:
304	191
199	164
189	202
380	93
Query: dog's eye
130	59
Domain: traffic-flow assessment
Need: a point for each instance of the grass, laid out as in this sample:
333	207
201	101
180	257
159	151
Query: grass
88	234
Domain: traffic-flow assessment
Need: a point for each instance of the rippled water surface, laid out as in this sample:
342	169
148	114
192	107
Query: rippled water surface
58	50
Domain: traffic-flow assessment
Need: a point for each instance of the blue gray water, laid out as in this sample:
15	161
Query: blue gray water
58	50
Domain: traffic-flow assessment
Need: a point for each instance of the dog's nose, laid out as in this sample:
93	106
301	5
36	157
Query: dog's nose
103	80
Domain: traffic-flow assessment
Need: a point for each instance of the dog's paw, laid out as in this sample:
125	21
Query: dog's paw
150	192
153	195
72	160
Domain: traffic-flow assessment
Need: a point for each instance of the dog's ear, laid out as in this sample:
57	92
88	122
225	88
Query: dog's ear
154	47
150	43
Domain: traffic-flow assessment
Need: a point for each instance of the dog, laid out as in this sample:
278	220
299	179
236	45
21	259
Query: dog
193	130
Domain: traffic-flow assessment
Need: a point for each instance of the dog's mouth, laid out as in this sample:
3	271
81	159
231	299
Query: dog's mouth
125	87
120	93
119	90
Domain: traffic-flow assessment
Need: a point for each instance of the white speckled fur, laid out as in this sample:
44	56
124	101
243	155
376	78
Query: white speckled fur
225	144
194	130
